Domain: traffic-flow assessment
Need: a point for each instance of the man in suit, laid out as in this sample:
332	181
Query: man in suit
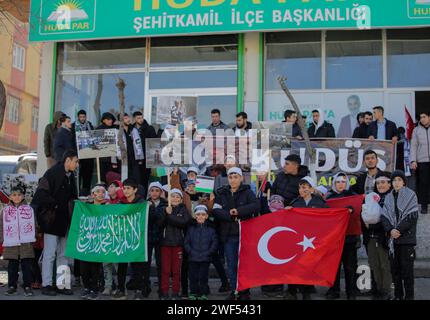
382	128
349	122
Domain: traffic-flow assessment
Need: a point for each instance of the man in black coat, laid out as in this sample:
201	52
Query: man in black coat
63	140
53	203
382	128
287	182
108	120
320	128
233	203
363	131
146	131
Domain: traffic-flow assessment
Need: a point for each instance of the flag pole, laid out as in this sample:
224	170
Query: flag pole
169	200
98	170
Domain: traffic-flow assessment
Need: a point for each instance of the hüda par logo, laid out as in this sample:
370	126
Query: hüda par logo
418	9
68	16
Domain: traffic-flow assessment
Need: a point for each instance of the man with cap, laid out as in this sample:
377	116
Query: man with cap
157	205
107	122
286	183
201	243
233	203
86	166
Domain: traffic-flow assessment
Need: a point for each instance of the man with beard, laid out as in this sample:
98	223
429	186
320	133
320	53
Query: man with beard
362	132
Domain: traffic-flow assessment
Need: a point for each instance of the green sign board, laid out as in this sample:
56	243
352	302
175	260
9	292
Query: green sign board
108	233
63	20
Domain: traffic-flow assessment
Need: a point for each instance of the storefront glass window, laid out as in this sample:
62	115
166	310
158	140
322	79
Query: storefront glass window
408	58
354	59
298	57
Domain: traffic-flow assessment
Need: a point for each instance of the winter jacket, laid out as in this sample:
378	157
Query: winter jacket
287	185
23	251
243	200
63	141
326	130
173	226
201	242
155	214
213	128
53	200
49	135
316	202
375	231
360	184
146	131
362	132
390	129
104	127
420	144
407	228
239	131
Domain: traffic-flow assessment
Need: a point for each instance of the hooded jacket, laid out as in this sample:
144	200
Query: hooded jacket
201	242
155	214
173	226
420	144
322	129
244	200
119	194
49	135
287	185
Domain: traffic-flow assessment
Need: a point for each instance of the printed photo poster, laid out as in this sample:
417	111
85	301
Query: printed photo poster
97	143
175	109
28	182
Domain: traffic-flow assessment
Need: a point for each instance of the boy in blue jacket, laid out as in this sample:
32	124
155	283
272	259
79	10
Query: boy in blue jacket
201	242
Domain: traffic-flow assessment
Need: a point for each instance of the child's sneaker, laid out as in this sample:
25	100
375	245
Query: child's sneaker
93	296
11	291
85	294
28	292
119	295
192	297
164	297
176	297
203	297
138	295
36	286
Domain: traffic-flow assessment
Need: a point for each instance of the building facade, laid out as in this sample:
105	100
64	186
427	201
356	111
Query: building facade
342	57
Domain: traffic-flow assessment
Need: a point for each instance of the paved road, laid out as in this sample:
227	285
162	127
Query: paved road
422	292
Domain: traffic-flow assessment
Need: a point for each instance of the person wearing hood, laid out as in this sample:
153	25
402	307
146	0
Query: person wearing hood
399	218
63	140
242	125
286	183
306	199
320	128
49	136
86	165
146	131
233	203
107	122
216	123
341	189
375	240
420	159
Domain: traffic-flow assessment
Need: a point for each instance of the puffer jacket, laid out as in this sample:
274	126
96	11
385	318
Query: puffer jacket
155	213
420	144
287	185
246	203
173	226
201	242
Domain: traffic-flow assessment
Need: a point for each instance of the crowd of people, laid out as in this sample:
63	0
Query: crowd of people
188	231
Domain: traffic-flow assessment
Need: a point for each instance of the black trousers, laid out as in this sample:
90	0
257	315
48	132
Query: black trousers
137	270
219	267
199	277
423	188
146	175
86	167
349	262
295	288
402	270
77	268
122	275
134	171
37	274
13	269
152	248
90	272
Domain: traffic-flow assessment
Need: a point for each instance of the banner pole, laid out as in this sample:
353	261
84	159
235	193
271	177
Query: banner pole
169	200
98	170
269	173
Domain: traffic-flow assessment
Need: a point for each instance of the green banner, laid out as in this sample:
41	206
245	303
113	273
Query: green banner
59	20
108	233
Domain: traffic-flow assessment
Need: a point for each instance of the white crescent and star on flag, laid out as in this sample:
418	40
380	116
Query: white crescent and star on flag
263	245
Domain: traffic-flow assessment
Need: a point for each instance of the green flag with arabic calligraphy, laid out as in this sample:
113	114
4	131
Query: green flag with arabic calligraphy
108	233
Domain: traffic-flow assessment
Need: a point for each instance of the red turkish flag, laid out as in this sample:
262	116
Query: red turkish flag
296	246
354	225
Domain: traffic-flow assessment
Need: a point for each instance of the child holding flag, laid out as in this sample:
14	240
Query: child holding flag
17	233
91	271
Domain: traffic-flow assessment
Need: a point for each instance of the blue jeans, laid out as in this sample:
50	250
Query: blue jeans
231	248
